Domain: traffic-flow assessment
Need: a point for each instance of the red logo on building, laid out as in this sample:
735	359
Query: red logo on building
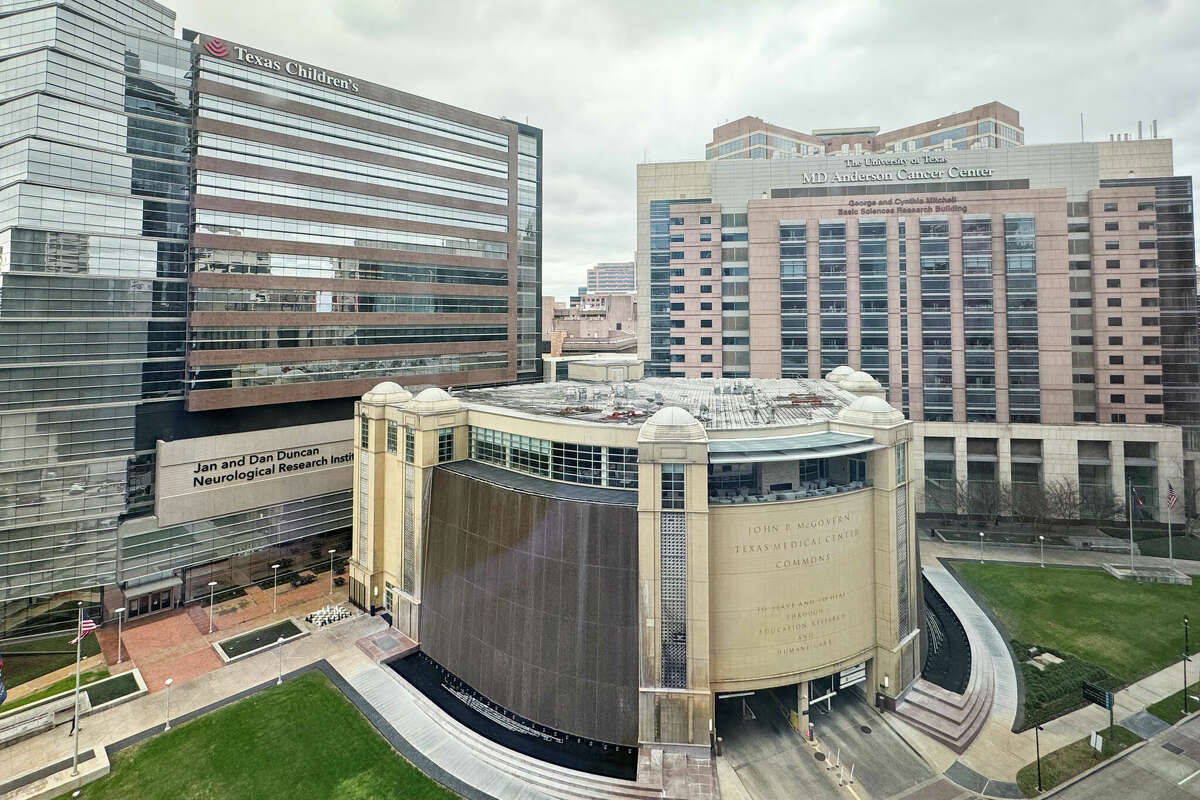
217	48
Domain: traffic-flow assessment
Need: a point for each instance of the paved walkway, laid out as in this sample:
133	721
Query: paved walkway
334	643
933	549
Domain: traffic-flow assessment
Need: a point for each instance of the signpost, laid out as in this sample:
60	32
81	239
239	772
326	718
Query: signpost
1101	697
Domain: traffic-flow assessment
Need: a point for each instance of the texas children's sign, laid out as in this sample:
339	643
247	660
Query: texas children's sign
219	49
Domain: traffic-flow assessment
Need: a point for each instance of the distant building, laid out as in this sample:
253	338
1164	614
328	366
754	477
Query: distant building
988	126
593	323
610	277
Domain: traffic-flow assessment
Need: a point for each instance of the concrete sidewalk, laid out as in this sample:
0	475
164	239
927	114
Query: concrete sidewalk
334	643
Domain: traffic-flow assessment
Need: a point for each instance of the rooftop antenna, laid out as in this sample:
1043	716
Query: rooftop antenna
1081	138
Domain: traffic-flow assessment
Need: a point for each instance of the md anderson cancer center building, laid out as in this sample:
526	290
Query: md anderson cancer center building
596	560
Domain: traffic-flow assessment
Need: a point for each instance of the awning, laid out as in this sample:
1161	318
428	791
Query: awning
153	586
789	448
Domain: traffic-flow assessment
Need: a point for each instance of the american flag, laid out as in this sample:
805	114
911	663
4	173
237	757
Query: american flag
1172	498
1136	497
85	627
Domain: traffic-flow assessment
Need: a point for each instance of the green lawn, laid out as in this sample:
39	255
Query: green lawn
1128	629
302	739
1170	709
66	684
1067	762
262	637
59	651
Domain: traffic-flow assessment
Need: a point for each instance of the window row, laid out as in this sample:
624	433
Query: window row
593	465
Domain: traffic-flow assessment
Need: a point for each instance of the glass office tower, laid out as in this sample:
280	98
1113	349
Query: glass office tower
94	168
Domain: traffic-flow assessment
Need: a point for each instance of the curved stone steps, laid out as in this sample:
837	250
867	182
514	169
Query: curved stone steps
952	719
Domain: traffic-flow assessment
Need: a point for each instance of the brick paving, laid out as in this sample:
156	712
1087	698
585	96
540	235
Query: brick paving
170	646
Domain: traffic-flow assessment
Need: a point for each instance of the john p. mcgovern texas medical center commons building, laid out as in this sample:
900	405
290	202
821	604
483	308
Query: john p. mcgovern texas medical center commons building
598	560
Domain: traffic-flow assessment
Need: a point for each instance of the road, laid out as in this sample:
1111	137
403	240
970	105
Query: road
1167	767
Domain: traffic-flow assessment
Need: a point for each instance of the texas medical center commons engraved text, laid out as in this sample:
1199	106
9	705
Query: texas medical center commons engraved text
792	588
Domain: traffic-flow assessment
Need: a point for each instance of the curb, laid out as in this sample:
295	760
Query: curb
1086	773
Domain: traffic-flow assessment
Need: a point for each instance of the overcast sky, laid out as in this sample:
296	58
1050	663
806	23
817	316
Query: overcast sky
612	80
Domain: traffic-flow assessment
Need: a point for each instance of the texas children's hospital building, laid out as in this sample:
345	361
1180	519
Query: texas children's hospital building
208	252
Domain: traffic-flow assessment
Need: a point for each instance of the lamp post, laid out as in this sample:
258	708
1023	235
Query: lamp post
279	647
120	612
1038	748
1185	660
211	590
275	588
1042	549
331	552
168	683
981	547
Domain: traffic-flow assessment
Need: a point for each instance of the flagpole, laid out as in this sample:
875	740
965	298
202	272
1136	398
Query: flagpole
1170	543
75	726
1129	513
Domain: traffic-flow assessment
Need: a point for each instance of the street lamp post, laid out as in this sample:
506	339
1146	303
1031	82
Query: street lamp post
279	647
211	590
168	683
981	547
1185	660
275	588
331	552
1038	748
120	612
1042	548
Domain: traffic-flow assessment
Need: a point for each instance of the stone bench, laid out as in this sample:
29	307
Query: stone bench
41	717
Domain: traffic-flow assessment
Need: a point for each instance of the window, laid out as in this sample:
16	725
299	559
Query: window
1116	378
445	445
363	432
676	220
706	306
1110	206
1154	399
1153	380
1114	322
1116	398
1150	322
1149	302
410	445
1112	263
706	220
705	271
391	436
1114	302
676	290
1147	244
676	238
706	289
1150	340
1111	226
706	237
706	253
677	306
706	374
672	485
1116	359
676	323
706	323
1113	283
1145	205
1145	226
1109	245
676	255
706	358
1149	283
705	340
1154	418
1152	360
1118	417
1148	263
678	340
901	462
1116	339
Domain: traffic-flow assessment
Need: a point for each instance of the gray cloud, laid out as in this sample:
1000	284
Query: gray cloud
610	81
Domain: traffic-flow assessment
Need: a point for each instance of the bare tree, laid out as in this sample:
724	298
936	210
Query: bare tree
990	500
1062	499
